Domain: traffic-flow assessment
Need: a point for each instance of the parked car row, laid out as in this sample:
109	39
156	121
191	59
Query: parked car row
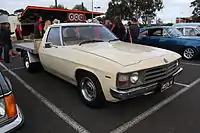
170	38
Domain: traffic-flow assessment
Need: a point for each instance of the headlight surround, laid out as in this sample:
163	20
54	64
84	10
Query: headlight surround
2	110
126	80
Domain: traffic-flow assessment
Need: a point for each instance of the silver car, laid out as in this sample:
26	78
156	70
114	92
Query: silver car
188	29
10	115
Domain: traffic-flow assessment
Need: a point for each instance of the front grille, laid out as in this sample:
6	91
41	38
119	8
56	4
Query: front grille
161	72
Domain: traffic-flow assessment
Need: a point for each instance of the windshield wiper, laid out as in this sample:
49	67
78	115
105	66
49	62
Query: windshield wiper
90	41
113	40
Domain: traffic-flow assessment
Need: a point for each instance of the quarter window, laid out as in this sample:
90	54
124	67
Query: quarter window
190	32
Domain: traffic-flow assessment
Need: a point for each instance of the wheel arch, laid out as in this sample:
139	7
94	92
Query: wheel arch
80	71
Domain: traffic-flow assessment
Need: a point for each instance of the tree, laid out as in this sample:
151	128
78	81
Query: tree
196	5
80	7
4	12
118	8
148	9
18	11
145	9
159	21
59	6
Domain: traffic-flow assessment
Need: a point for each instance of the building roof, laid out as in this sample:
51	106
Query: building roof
31	12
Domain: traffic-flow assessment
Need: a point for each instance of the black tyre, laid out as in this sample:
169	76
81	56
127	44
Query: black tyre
30	67
189	53
91	90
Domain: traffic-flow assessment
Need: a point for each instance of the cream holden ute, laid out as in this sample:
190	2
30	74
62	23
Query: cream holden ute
103	68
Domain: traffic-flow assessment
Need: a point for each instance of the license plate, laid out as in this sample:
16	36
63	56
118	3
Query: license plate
167	84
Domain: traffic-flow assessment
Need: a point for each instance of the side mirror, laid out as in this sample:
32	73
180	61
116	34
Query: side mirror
48	45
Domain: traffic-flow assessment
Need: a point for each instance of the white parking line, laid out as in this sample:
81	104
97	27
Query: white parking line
181	84
136	120
75	125
17	68
192	64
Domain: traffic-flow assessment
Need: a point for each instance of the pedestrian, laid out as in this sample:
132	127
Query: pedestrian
133	31
5	40
47	24
38	30
55	21
108	24
118	28
18	32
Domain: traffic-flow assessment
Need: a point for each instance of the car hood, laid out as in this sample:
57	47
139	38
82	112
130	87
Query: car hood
121	52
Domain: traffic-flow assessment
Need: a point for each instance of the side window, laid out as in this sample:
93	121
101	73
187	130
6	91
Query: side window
156	32
190	32
144	33
180	29
54	36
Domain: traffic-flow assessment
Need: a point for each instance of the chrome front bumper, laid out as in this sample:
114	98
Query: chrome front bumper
142	90
17	122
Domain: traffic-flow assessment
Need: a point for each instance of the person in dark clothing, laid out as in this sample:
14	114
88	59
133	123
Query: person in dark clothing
18	32
6	42
38	30
108	24
118	29
133	31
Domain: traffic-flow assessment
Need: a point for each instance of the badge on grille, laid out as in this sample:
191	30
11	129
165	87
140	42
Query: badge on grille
165	60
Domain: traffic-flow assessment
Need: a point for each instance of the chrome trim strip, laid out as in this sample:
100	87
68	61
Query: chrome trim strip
133	90
177	72
14	124
6	94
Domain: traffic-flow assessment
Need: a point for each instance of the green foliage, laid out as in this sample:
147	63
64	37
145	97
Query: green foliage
145	9
4	12
59	6
18	11
80	7
196	5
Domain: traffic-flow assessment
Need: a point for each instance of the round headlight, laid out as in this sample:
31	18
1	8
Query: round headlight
134	77
2	109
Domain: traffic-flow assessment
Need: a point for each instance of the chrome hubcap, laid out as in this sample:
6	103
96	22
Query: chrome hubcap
26	64
189	53
88	89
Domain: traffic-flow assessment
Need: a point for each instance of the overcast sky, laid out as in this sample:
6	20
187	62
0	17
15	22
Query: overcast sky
171	10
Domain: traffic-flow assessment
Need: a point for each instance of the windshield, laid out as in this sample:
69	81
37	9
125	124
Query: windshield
73	35
173	32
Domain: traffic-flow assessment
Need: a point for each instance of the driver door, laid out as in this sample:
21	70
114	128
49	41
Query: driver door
49	53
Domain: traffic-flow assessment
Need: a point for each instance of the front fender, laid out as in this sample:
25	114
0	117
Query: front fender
106	83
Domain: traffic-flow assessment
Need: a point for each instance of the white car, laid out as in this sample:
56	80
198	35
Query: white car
103	68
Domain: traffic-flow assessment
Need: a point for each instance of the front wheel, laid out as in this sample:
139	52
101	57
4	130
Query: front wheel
91	91
189	53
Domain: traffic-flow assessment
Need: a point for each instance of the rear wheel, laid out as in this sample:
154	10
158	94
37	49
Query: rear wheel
189	53
90	90
30	67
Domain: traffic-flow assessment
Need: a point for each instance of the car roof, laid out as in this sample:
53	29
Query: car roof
156	27
187	24
75	24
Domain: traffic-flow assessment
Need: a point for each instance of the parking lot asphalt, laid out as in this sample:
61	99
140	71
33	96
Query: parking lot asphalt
39	117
